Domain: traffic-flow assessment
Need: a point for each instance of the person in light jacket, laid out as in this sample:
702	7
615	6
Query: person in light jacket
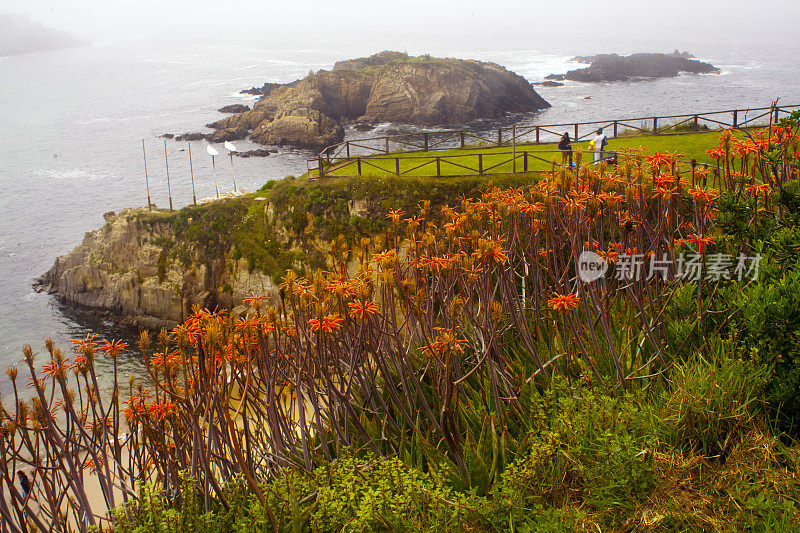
600	140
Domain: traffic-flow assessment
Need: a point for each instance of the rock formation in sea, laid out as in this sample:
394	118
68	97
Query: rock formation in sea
21	35
614	67
385	87
234	108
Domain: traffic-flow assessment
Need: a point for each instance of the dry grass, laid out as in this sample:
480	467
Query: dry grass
695	493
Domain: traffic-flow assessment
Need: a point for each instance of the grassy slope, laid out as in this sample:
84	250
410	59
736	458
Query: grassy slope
691	146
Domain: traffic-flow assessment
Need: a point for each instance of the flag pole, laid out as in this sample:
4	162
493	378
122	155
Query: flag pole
231	148
191	171
146	179
213	153
233	172
169	188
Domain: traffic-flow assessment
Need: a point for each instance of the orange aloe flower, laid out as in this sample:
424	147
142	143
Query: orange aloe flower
161	410
343	288
362	309
247	323
564	301
717	153
496	253
573	204
657	159
252	300
54	370
707	195
80	344
327	324
112	349
758	188
700	241
394	216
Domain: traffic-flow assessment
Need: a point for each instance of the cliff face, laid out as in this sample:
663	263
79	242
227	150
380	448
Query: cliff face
386	87
143	273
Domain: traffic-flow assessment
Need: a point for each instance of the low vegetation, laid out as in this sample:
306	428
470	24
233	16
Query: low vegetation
455	372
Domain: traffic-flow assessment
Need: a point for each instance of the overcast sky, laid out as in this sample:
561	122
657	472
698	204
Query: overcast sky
773	22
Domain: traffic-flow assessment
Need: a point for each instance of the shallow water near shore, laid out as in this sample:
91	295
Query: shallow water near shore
73	123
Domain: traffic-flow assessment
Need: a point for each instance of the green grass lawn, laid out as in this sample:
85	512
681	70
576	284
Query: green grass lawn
691	146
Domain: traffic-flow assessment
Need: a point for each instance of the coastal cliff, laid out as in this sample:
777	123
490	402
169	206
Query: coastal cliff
150	267
139	267
385	87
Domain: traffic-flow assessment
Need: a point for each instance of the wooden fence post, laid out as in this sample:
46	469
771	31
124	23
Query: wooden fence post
397	165
499	136
655	125
425	135
480	163
347	145
358	164
735	118
387	145
537	134
438	167
525	161
462	140
696	122
615	129
576	132
514	149
321	169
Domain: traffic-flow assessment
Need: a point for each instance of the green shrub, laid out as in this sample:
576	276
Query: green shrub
709	403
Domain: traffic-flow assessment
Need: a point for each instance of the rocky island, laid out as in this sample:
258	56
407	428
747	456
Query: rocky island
614	67
21	35
385	87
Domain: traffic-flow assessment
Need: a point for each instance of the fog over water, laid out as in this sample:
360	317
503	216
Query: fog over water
73	120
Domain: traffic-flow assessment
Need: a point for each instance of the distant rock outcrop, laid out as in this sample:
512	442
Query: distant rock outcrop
234	108
385	87
265	89
613	67
21	35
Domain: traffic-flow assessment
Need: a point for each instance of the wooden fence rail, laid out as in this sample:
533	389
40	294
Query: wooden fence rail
355	152
520	159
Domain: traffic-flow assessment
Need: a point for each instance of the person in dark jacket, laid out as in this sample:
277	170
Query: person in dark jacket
24	482
565	145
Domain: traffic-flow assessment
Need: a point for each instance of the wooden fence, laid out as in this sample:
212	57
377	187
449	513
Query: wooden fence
377	152
467	163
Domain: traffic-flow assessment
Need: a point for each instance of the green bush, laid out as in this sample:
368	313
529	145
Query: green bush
709	403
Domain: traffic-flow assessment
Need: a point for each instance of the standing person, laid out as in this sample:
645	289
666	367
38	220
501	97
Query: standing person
565	145
24	482
600	141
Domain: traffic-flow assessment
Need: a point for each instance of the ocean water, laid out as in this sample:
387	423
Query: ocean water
73	122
